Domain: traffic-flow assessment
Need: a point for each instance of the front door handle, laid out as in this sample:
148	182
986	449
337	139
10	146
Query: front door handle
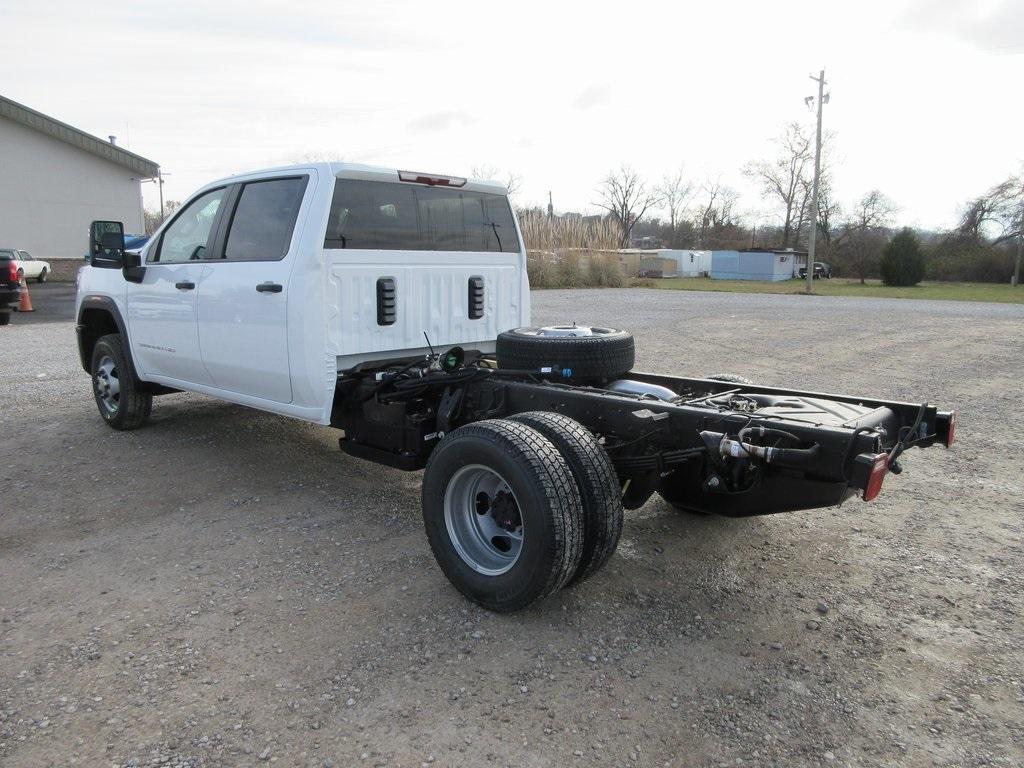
186	285
269	288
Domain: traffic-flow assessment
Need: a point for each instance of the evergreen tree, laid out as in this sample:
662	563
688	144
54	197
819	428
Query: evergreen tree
903	260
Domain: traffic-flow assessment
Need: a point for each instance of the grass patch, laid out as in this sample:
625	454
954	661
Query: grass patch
996	292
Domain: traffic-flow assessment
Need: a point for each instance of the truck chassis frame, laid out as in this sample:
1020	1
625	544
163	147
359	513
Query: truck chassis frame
690	450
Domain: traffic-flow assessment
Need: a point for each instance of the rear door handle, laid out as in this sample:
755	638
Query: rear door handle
269	288
186	285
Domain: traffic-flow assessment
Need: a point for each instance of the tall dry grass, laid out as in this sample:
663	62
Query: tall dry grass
571	253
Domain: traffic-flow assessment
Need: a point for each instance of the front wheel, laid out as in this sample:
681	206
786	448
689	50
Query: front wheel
116	390
502	514
5	316
42	276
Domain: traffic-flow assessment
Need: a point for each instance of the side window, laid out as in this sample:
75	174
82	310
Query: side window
372	215
24	255
187	238
261	227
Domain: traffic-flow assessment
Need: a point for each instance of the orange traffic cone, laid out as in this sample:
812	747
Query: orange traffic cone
25	305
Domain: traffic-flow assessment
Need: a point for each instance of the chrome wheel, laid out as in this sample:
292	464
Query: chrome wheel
107	385
483	520
564	331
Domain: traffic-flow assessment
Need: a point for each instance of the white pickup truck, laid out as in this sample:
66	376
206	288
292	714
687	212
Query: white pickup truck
395	306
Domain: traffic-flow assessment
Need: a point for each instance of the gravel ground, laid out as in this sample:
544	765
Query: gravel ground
225	588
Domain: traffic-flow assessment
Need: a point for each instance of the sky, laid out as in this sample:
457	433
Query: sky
926	96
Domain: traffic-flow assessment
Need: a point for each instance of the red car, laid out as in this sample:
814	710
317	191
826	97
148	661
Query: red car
10	288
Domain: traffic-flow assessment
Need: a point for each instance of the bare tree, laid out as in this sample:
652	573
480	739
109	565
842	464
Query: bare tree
785	179
675	191
829	212
152	219
626	198
716	203
317	156
1000	211
512	181
863	235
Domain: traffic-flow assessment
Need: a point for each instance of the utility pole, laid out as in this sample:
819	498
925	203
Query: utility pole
820	80
160	184
1020	243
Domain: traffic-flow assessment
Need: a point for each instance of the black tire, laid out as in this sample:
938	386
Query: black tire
544	496
21	275
605	355
5	317
42	276
730	377
130	408
596	480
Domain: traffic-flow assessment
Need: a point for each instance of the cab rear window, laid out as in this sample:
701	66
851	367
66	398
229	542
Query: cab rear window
390	216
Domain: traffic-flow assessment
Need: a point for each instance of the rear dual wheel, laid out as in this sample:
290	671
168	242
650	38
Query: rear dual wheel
516	509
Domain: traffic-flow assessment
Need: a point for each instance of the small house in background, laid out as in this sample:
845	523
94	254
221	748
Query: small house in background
657	266
689	263
762	265
629	261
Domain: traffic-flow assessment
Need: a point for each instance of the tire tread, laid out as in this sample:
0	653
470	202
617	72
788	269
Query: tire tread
134	407
598	485
589	357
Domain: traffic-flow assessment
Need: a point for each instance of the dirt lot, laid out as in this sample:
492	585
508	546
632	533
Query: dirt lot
225	588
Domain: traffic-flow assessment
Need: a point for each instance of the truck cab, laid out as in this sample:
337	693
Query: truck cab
263	286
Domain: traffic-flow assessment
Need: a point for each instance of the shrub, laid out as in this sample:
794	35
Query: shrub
541	270
571	252
902	260
966	258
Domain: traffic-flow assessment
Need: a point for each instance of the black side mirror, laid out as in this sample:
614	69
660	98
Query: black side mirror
106	244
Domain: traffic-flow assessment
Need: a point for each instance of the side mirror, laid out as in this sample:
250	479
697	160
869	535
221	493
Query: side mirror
106	244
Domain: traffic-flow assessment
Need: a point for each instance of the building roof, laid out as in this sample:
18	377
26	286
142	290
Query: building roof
779	251
26	116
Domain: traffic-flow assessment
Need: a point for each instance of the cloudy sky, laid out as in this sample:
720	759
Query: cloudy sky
927	96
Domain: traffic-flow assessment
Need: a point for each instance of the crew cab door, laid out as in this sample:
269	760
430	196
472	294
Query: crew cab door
243	297
162	308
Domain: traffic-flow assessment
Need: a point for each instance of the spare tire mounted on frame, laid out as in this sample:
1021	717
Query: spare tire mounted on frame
570	351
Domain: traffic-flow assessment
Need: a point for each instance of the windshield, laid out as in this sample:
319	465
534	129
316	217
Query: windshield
383	215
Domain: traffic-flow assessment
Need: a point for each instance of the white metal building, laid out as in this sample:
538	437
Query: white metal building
690	263
55	179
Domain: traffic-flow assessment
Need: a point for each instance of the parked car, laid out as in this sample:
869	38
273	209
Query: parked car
135	242
821	269
29	267
395	306
10	284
